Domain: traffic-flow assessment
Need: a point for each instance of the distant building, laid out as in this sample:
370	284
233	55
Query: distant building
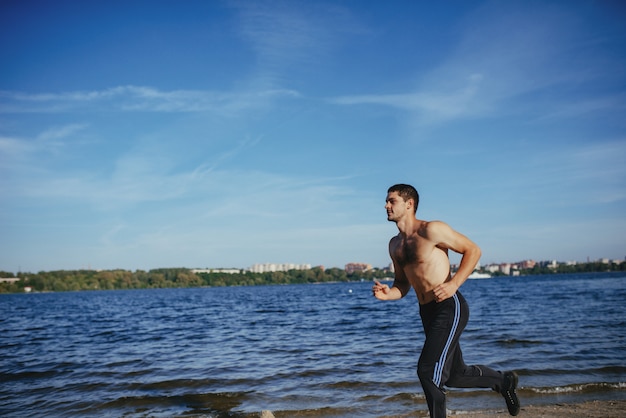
227	271
354	267
505	268
271	267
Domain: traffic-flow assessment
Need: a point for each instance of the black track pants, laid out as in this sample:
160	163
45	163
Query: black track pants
441	362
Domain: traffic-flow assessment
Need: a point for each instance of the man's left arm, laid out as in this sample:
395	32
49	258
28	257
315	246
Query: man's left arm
447	237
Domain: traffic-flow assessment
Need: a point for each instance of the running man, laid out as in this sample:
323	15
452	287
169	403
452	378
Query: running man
420	258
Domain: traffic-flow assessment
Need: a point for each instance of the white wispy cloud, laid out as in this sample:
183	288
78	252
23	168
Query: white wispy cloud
211	190
59	132
13	147
434	105
572	176
140	98
583	107
497	64
208	166
596	168
19	152
289	37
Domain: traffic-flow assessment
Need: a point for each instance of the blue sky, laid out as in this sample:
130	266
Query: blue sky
147	134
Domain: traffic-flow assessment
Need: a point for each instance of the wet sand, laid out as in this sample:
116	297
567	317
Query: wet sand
591	409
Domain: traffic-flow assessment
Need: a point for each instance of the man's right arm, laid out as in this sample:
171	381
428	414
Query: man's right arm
400	288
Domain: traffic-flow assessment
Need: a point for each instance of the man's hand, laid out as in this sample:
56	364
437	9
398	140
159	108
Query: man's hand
444	291
380	291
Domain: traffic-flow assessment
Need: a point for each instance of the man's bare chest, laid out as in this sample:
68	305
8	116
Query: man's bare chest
409	251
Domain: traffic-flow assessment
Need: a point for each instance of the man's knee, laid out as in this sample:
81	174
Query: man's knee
425	371
426	374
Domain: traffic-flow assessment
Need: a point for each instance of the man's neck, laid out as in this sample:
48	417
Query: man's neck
407	225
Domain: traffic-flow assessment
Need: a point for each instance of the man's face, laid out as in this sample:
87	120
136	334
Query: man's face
396	206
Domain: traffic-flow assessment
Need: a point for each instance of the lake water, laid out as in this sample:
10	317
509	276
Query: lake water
327	350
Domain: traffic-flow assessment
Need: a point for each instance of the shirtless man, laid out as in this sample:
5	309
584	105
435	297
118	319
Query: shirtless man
420	257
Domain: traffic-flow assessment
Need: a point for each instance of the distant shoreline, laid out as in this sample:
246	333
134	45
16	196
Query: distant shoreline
84	280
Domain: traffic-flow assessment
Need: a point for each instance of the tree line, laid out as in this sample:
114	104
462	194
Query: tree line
591	267
75	280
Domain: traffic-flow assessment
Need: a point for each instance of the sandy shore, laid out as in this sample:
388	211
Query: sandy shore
591	409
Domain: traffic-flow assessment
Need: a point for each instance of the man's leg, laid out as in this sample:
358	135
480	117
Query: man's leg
443	323
464	376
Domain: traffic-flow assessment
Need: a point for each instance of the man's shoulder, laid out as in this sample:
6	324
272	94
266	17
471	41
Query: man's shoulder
432	230
435	224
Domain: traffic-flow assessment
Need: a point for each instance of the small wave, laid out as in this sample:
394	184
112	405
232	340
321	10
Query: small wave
360	308
413	397
579	388
351	384
27	375
222	404
515	341
270	311
173	385
41	371
529	391
600	371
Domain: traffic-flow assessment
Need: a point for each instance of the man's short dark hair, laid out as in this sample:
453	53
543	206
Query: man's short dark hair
406	192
